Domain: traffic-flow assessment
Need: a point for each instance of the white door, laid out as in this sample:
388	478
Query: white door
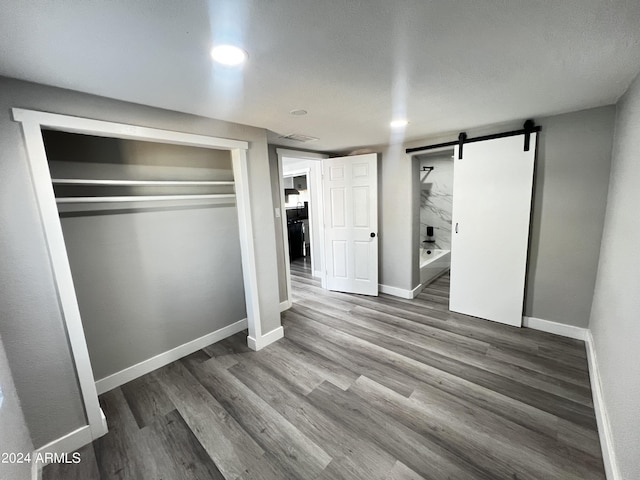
492	187
350	190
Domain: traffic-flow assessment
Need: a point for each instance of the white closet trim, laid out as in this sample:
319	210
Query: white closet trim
32	123
101	128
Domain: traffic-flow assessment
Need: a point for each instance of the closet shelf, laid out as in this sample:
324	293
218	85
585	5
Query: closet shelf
142	198
150	183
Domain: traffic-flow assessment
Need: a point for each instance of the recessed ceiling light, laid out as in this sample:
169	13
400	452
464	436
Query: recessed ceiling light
399	123
298	112
228	55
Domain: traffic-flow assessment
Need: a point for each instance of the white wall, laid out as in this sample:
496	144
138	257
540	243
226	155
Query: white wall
615	316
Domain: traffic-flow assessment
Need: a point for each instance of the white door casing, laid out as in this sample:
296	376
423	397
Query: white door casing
492	188
350	191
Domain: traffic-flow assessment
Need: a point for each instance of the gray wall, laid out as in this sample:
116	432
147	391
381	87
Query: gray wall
148	276
615	323
568	213
14	436
274	175
570	191
32	326
399	219
569	201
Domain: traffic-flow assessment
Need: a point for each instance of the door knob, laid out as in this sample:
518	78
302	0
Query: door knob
372	235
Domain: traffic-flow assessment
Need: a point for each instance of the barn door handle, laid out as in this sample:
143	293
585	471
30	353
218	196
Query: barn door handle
456	227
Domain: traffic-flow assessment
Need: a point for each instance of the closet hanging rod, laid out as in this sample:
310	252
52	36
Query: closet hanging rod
81	181
142	198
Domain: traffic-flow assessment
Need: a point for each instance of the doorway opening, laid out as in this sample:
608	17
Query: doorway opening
301	213
299	225
434	202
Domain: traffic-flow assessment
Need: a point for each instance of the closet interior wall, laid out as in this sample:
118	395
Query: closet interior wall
150	275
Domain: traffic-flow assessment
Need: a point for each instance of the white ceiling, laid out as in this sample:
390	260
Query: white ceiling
353	64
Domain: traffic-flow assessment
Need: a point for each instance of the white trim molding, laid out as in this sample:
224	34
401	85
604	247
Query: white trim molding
285	231
258	343
417	290
286	305
123	376
561	329
286	152
64	445
602	418
247	244
395	291
102	128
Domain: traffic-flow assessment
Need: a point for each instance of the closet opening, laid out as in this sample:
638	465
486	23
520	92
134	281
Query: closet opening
151	233
150	241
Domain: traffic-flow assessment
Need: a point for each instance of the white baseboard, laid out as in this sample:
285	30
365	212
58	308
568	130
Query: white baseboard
395	291
548	326
63	445
604	427
266	339
416	291
146	366
286	305
317	273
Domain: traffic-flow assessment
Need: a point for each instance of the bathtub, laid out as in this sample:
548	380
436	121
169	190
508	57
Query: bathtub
433	264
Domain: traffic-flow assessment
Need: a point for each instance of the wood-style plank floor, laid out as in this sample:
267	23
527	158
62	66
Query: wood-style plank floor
359	388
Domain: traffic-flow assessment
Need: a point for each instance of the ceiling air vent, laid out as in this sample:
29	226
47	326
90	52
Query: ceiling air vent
297	137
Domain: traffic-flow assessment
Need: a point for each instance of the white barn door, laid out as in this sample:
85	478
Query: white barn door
350	190
492	187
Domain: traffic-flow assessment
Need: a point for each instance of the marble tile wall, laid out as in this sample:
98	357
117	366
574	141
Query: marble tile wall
436	199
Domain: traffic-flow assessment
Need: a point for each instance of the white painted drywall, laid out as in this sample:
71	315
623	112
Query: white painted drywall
615	316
